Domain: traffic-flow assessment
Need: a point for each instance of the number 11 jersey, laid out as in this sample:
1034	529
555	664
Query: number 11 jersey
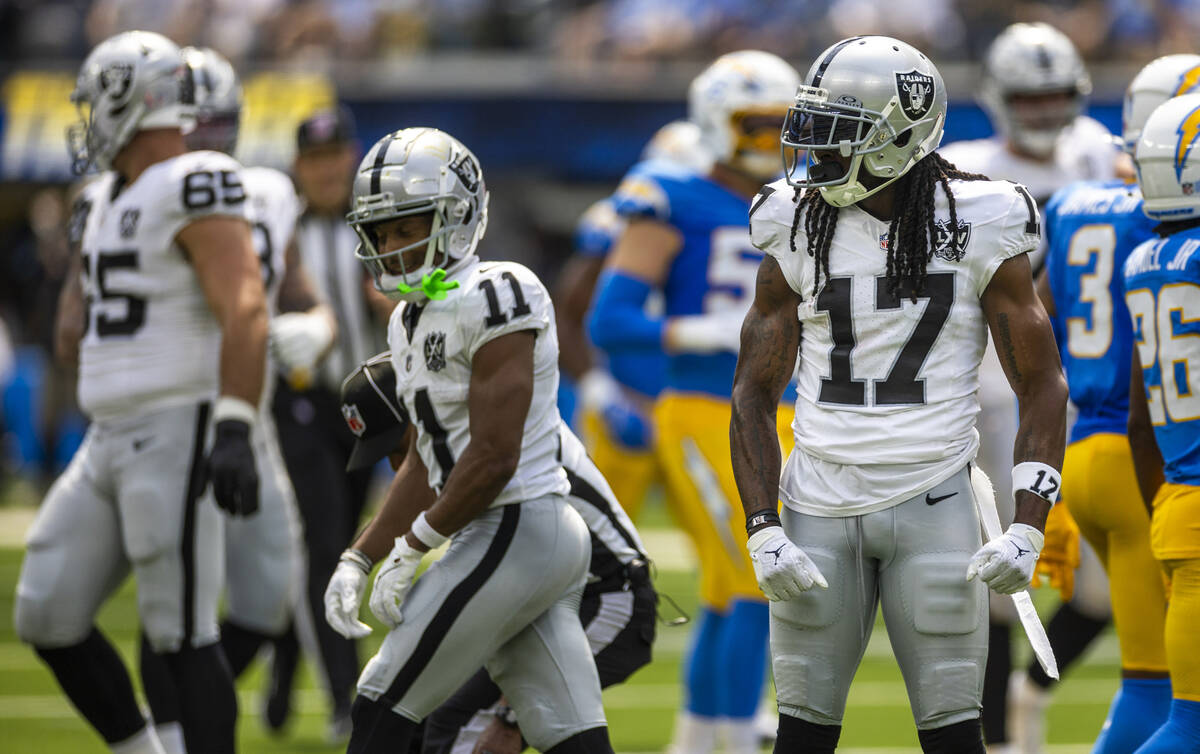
886	394
150	339
433	346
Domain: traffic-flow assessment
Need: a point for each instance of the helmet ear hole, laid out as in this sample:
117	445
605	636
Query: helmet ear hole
903	139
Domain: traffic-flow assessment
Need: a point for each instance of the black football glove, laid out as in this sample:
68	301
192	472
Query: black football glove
231	468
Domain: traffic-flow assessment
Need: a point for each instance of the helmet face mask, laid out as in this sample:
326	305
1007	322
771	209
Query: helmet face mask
130	82
880	122
413	172
738	103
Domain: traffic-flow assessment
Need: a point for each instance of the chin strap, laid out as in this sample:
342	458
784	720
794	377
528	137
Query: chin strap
432	285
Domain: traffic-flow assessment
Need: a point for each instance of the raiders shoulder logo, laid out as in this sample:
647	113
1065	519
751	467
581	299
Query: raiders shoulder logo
435	351
951	247
916	94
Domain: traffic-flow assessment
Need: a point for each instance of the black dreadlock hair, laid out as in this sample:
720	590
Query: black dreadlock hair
910	235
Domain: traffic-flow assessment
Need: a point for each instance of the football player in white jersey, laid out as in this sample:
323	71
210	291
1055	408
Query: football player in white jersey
262	552
170	371
617	609
1034	89
476	361
886	267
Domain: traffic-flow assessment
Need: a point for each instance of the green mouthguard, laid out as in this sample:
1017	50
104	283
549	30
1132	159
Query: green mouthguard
432	285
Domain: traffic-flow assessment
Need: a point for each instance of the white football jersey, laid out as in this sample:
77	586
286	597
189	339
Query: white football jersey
432	348
886	387
150	338
273	209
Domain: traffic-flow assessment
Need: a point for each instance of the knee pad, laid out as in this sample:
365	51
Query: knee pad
964	737
798	736
37	624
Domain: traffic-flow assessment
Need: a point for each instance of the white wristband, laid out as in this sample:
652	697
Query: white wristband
232	407
1038	478
426	533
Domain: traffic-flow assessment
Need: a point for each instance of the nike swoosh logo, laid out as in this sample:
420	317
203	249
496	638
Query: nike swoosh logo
935	500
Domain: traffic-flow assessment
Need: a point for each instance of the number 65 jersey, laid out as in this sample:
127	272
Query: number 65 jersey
433	345
886	394
150	339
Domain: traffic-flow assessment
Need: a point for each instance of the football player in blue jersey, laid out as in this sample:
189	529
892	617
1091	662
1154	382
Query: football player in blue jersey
687	237
616	394
1091	228
1162	293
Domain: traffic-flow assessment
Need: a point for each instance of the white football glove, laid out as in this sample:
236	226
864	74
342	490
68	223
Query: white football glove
1006	563
343	596
704	333
782	569
299	338
392	582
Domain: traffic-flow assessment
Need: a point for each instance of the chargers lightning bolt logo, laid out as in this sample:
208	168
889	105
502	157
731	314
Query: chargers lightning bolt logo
1189	131
1188	81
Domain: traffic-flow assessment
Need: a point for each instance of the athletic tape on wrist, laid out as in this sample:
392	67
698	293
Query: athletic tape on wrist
232	407
1039	478
427	534
357	558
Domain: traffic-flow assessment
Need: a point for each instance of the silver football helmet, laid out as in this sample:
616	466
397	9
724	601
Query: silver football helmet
218	97
876	100
1161	79
738	102
132	81
411	172
1168	162
1029	61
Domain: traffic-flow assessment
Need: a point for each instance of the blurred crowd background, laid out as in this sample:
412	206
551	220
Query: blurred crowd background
286	31
556	97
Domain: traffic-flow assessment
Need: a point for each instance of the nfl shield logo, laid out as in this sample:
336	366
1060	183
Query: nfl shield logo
353	419
915	91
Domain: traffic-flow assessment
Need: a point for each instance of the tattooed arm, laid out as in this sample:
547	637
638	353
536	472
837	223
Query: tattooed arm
770	339
1025	344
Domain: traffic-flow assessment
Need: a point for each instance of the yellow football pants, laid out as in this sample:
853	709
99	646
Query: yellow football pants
1101	492
1175	537
692	446
630	473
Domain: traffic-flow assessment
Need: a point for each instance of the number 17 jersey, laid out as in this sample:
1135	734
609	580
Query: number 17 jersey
887	386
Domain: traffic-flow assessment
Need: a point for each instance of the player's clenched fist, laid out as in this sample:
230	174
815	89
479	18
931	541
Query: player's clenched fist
783	570
393	581
343	595
1006	563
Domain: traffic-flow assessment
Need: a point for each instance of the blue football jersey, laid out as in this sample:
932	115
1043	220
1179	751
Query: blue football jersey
715	268
1162	292
1091	228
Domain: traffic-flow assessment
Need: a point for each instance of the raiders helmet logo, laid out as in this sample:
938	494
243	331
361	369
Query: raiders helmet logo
916	94
353	419
467	171
435	351
115	80
951	247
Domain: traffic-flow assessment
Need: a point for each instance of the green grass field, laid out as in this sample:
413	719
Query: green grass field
36	718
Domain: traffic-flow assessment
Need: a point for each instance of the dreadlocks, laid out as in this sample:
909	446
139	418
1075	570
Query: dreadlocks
910	235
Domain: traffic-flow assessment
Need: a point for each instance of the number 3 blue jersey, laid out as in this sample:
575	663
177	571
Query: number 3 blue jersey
715	269
1162	292
1091	228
